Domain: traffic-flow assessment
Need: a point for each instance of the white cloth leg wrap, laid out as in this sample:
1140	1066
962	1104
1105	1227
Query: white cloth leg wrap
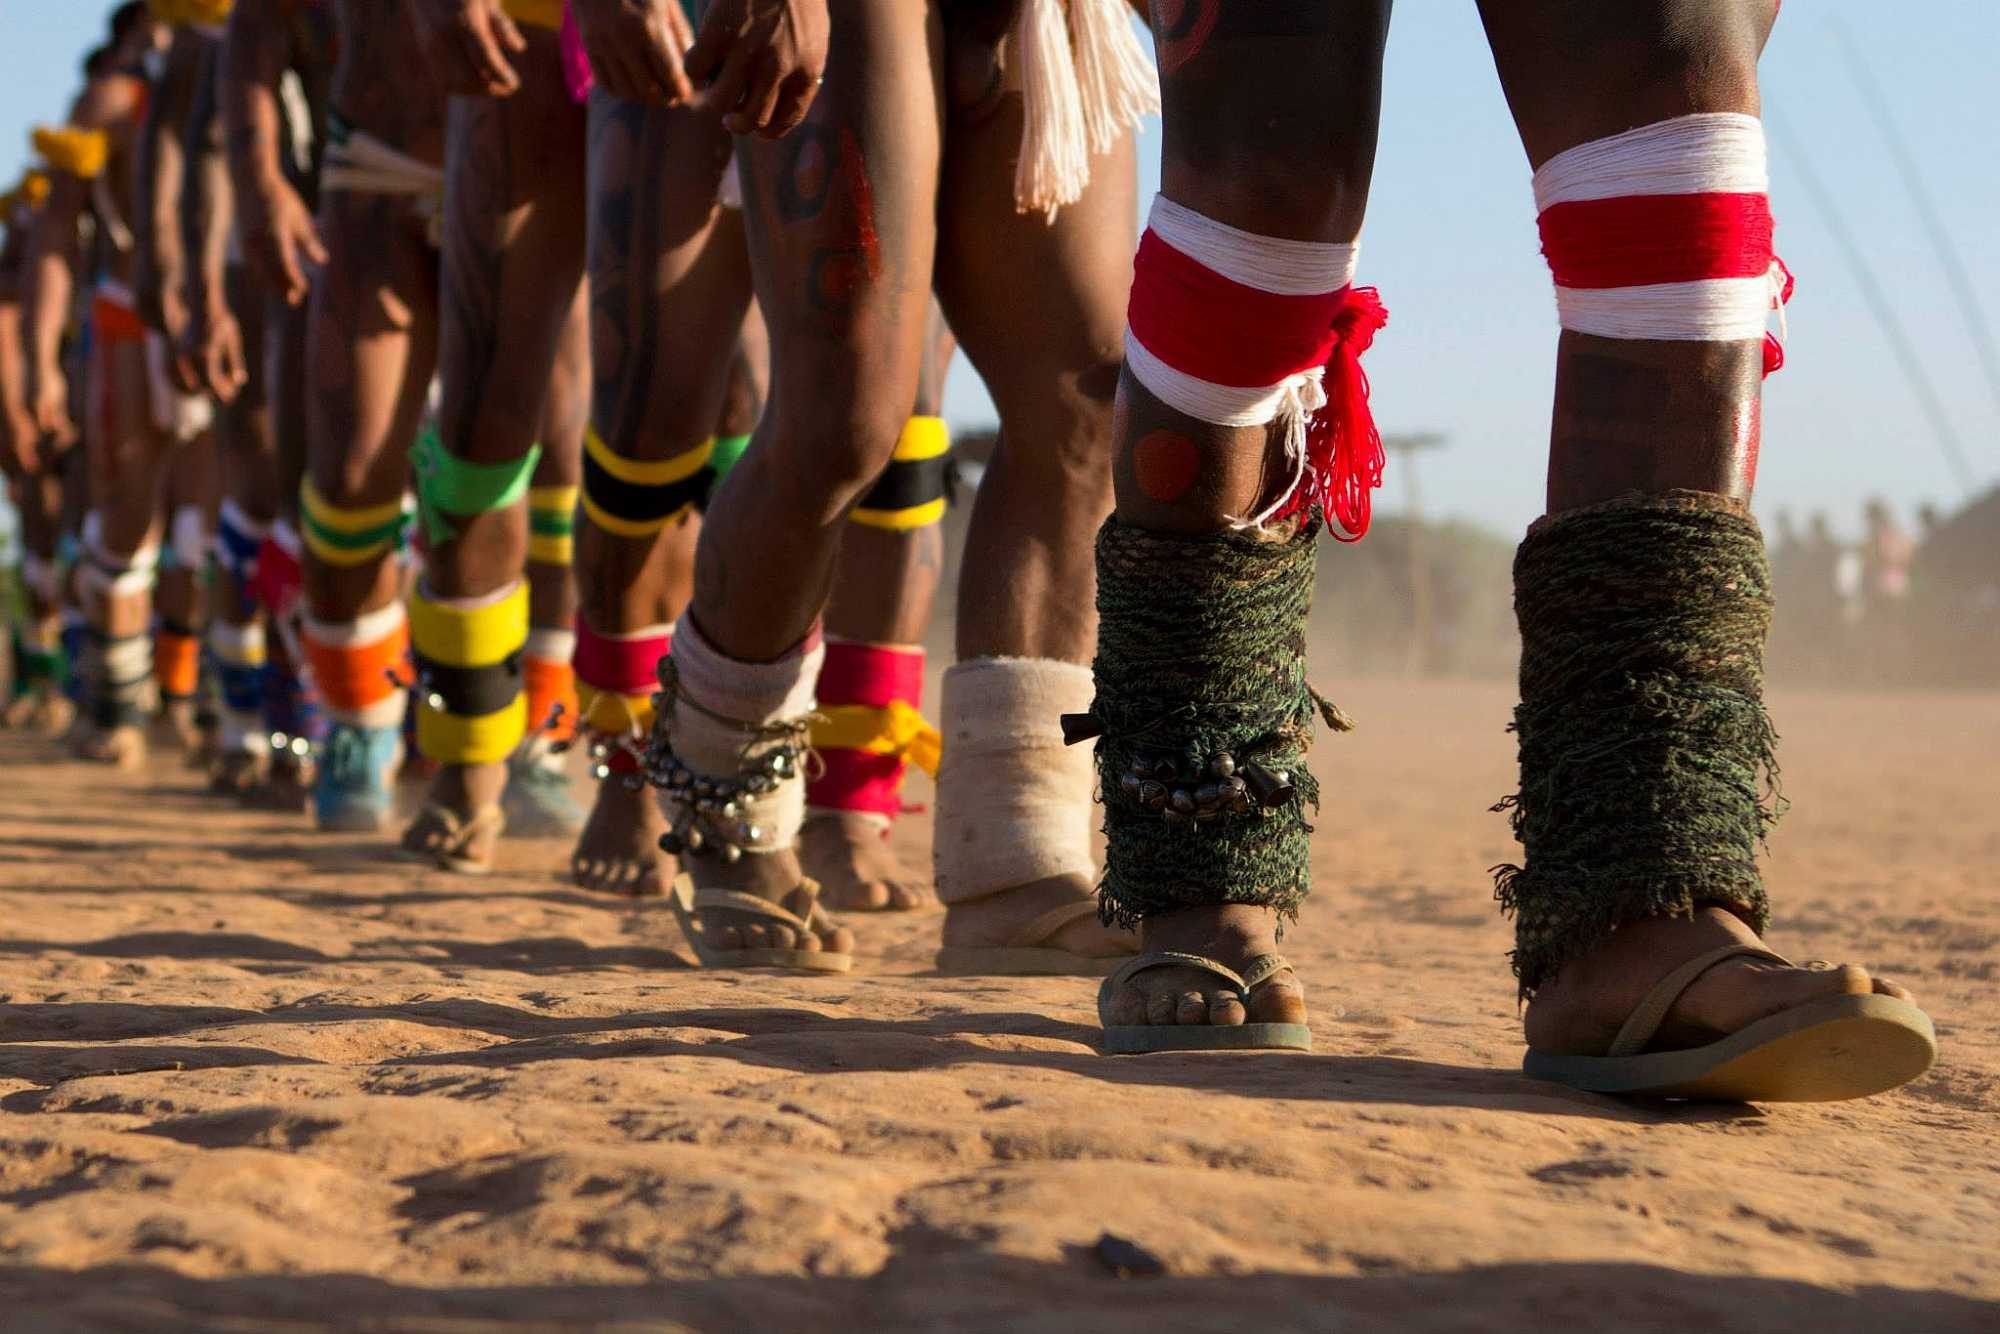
753	693
1014	803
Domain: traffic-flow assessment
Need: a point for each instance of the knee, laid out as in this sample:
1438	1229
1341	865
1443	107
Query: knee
829	458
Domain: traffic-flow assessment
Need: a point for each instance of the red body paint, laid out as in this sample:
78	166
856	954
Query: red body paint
1749	440
1182	28
854	259
1166	464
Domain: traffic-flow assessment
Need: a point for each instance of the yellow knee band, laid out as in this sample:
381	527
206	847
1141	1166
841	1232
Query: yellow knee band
612	714
468	662
910	494
552	524
487	739
345	536
470	636
629	498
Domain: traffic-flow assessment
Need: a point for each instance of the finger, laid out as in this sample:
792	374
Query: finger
725	94
663	64
711	47
294	284
760	100
795	99
489	62
509	31
314	244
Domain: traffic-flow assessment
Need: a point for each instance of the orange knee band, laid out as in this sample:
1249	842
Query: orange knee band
549	682
177	664
356	676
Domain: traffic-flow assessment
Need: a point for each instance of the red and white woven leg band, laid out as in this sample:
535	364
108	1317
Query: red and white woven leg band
1664	232
1237	329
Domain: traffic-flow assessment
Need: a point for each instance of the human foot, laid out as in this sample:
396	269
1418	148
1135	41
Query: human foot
539	801
1580	1010
848	852
43	709
775	877
618	851
1233	935
1045	927
461	823
287	786
122	747
237	772
177	726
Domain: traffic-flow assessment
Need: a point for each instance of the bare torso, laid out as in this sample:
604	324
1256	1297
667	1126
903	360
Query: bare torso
382	83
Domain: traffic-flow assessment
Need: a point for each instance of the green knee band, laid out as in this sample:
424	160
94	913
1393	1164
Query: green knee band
1201	656
1648	772
728	451
448	485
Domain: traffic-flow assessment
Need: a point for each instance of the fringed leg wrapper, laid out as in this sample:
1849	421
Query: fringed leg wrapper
1202	719
1648	783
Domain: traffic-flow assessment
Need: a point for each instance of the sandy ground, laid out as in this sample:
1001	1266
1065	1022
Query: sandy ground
255	1079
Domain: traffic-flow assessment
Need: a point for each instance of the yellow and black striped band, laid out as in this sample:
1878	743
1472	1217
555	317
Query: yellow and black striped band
629	498
910	493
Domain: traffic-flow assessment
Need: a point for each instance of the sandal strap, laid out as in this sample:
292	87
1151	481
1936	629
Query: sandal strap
1262	969
1643	1024
1138	964
1044	928
733	900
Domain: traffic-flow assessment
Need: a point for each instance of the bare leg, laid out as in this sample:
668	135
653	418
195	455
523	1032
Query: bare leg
539	801
1648	417
514	242
670	278
372	349
250	492
841	238
127	457
883	589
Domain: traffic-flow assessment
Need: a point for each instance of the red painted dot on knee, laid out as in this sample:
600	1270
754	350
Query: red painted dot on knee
1166	464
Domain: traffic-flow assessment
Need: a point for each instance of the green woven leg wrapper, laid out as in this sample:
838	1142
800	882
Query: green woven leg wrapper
1648	773
1201	652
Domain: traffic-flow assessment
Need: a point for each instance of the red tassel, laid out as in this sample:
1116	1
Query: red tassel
1774	351
1344	457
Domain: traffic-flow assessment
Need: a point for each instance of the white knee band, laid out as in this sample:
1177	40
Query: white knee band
1013	802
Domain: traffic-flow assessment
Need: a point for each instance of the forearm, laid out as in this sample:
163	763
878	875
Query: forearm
209	216
51	274
162	257
254	56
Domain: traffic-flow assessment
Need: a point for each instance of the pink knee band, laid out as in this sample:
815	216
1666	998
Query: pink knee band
887	679
621	664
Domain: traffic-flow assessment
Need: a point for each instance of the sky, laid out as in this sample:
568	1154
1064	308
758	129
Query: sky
1451	243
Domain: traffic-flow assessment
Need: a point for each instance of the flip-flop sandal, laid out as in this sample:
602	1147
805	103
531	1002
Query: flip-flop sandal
1132	1039
1823	1051
457	832
1027	952
687	902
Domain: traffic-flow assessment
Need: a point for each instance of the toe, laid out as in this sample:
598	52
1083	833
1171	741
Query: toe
1160	1007
1225	1009
839	940
1190	1007
1884	987
1128	1008
907	897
